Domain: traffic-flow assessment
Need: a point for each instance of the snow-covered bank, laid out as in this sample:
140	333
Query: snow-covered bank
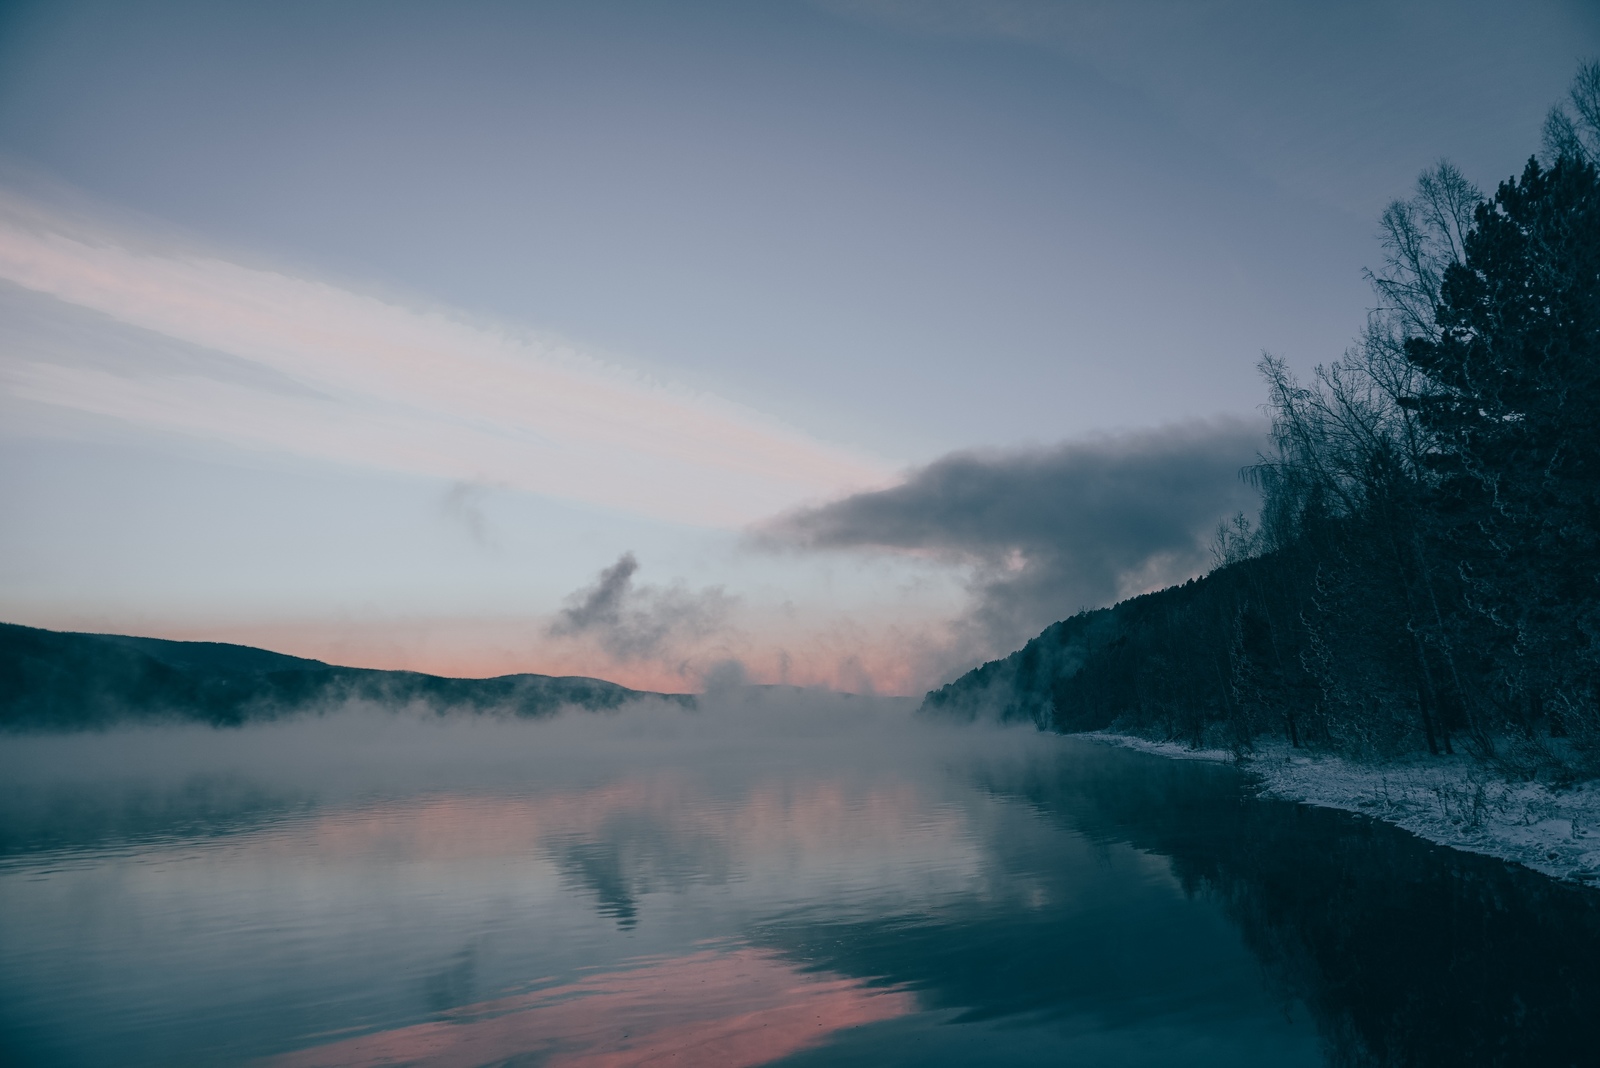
1449	800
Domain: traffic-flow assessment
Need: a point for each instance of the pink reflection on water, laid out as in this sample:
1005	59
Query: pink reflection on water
724	1008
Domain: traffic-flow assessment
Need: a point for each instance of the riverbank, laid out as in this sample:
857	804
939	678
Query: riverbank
1451	801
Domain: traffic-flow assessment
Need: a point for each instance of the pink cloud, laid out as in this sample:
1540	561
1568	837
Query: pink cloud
856	653
402	388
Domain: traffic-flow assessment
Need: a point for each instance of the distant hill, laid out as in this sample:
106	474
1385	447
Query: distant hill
54	680
1164	664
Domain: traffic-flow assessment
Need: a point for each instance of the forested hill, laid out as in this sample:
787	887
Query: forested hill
1222	660
1164	664
51	680
1425	573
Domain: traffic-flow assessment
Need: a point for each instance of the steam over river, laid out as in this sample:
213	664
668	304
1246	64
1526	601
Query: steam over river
778	877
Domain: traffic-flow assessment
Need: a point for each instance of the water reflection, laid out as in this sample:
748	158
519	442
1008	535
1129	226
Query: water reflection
1405	953
806	880
732	1008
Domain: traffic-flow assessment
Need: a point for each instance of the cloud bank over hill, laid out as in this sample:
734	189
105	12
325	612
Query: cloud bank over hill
1049	531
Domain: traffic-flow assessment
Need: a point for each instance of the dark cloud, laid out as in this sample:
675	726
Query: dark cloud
635	622
1051	531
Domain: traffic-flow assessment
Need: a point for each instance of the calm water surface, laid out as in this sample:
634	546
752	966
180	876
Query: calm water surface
776	878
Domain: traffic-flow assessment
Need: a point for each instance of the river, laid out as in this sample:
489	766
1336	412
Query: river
778	877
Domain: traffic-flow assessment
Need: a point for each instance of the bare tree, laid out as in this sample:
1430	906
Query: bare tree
1573	129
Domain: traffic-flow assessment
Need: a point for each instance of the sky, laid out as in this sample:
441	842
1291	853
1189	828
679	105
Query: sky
841	343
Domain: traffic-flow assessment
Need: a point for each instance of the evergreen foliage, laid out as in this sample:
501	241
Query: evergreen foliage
1425	572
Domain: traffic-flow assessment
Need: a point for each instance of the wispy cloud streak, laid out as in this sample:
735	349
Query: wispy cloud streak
631	622
400	388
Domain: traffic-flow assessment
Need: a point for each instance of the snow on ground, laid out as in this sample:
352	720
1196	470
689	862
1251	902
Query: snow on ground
1448	800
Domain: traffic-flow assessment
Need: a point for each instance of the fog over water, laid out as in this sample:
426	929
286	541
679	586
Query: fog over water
778	875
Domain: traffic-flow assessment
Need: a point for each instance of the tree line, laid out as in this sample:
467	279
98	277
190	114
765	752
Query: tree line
1425	570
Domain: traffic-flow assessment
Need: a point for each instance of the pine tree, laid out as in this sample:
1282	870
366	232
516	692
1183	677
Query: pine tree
1513	402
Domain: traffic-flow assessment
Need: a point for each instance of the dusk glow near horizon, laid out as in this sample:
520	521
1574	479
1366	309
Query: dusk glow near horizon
660	343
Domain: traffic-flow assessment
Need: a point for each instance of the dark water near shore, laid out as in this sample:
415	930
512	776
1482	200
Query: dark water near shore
776	878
